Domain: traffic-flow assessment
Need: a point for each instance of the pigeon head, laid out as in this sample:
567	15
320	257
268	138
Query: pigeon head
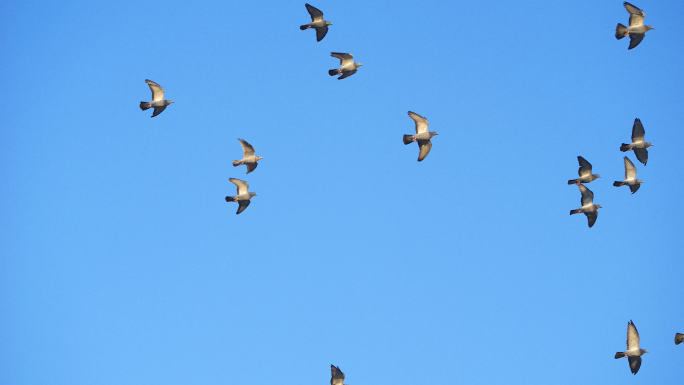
259	158
168	102
328	23
433	134
598	207
643	351
640	181
252	194
649	145
596	176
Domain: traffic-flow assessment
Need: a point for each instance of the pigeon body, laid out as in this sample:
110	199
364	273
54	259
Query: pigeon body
633	352
584	172
679	338
630	177
638	145
243	195
636	30
317	22
422	135
336	375
347	65
158	101
248	158
588	207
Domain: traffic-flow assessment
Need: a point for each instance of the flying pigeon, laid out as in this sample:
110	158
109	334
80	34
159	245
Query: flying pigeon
633	352
637	30
243	197
248	157
422	135
638	144
336	375
317	22
679	338
630	177
588	207
585	175
347	65
158	101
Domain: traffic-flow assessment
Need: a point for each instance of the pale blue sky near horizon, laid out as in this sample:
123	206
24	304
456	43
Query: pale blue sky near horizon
122	263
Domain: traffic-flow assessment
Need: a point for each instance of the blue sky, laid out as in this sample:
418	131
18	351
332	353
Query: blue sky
122	263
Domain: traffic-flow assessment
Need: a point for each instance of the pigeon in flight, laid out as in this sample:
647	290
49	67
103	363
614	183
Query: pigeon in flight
243	197
422	135
636	30
633	352
317	22
248	157
158	101
347	65
585	175
336	375
630	177
638	144
679	338
588	207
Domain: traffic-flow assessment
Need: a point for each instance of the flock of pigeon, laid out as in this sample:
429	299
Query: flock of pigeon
636	32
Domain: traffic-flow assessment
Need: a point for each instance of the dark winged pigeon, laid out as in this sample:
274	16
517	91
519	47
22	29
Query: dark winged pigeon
679	338
422	135
588	207
336	375
630	177
317	22
248	157
638	144
347	65
243	197
636	30
158	101
633	352
585	175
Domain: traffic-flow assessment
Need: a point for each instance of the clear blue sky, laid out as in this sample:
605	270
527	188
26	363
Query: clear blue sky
122	263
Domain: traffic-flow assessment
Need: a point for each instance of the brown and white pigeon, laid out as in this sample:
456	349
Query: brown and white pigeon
336	375
158	101
317	22
243	195
636	30
588	207
638	144
584	172
633	352
248	158
347	65
679	338
630	177
422	135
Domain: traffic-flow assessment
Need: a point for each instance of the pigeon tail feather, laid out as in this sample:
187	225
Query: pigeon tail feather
619	355
573	181
617	183
333	72
303	27
624	147
575	211
620	31
408	139
237	163
145	105
230	199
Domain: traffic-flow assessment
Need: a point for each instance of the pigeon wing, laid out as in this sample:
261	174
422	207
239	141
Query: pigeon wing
251	166
636	16
345	58
346	74
421	123
591	217
635	39
632	337
157	92
679	338
638	131
634	363
158	110
316	14
641	154
336	375
630	170
585	167
242	206
247	148
321	32
425	147
242	186
587	195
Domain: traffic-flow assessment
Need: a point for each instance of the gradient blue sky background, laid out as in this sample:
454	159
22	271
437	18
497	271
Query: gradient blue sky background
122	263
